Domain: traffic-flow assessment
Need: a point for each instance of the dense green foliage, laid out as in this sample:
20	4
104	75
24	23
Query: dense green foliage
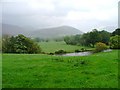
93	37
60	52
116	32
115	42
0	44
89	39
72	40
100	47
44	71
19	44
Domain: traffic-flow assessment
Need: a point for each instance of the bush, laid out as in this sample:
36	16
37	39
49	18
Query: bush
100	47
50	53
82	49
115	42
60	52
19	44
77	50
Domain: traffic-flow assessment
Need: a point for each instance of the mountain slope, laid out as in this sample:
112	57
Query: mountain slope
12	29
55	32
41	33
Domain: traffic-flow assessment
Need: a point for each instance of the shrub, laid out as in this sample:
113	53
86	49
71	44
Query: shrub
19	44
50	53
77	50
115	42
82	49
60	52
100	47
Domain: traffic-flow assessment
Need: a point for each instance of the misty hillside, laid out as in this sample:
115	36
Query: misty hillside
12	29
55	32
41	33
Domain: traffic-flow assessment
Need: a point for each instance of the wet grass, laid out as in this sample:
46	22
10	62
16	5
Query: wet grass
44	71
53	46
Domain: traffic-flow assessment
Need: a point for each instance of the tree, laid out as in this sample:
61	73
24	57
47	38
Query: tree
85	40
72	40
94	37
20	44
104	36
6	43
89	38
116	32
0	44
77	39
115	42
67	39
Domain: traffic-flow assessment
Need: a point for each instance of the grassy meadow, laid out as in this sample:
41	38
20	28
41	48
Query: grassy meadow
53	46
44	71
0	70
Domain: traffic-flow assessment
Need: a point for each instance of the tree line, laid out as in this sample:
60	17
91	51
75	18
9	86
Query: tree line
91	38
23	44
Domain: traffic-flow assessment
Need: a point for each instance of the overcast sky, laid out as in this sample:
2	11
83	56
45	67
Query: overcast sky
81	14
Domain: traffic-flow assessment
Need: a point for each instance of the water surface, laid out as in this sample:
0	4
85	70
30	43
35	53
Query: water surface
83	53
78	54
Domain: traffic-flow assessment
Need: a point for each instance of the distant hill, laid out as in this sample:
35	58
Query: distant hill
55	32
12	29
41	33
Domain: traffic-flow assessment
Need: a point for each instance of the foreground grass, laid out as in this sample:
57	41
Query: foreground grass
0	71
53	46
43	71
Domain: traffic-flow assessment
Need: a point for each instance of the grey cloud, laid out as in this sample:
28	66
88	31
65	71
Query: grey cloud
20	13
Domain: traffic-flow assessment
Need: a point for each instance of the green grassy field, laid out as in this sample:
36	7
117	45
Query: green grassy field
53	46
44	71
0	71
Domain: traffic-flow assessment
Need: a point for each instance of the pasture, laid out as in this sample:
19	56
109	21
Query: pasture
99	70
53	46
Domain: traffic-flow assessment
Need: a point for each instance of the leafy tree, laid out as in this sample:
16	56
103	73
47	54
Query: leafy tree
115	42
94	37
20	44
89	38
116	32
77	39
104	36
73	40
85	40
67	39
0	44
6	43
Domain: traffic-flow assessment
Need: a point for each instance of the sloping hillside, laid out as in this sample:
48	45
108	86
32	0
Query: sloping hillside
55	32
12	29
41	33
